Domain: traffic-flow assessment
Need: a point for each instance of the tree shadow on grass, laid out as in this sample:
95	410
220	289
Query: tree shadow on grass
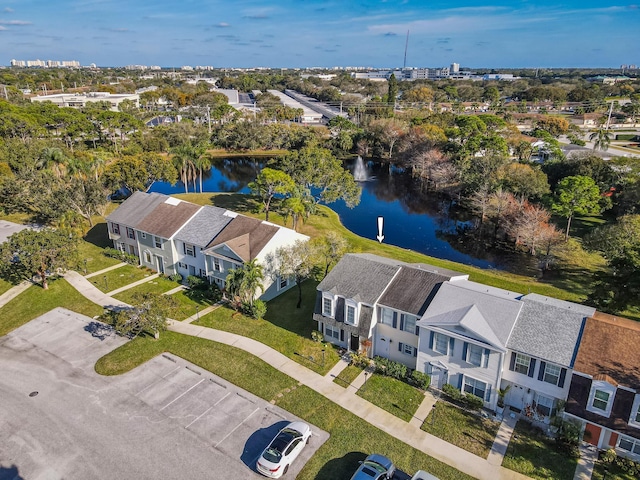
236	202
99	236
341	468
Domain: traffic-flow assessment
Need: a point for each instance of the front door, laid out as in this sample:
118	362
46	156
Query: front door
382	347
355	342
159	264
132	250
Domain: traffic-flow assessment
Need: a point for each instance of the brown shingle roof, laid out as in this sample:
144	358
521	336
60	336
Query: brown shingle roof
167	218
245	236
609	347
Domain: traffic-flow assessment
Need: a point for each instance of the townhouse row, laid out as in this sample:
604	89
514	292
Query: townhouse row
172	236
544	353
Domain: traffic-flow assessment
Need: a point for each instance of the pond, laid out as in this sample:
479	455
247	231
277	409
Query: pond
413	219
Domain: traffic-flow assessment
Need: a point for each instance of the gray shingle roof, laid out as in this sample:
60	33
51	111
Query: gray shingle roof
412	290
494	314
361	277
204	226
168	217
549	329
135	208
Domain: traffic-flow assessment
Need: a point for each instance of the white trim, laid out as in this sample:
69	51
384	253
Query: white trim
350	304
331	298
635	412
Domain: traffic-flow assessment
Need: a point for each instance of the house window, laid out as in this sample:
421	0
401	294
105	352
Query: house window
192	270
147	257
407	349
329	331
216	264
629	444
600	400
327	306
350	313
475	387
203	274
284	282
408	323
387	317
551	374
522	363
157	242
189	249
634	420
130	233
143	235
544	405
474	355
115	228
441	343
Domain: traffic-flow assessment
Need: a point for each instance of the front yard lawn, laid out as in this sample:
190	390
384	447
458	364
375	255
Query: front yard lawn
351	437
464	429
35	301
394	396
94	255
612	472
158	285
5	285
120	277
534	454
348	375
189	303
289	343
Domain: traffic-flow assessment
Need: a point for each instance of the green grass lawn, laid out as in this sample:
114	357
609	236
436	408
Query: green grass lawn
119	277
91	249
5	285
347	375
461	428
291	344
35	301
158	285
602	471
535	455
351	437
189	303
394	396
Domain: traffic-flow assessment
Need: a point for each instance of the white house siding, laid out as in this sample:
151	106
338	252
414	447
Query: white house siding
397	338
198	262
457	368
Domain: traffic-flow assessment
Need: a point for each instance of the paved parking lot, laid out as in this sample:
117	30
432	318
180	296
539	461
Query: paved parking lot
9	228
165	419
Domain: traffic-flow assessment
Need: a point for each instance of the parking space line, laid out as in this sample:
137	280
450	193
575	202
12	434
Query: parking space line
157	381
183	393
207	410
236	427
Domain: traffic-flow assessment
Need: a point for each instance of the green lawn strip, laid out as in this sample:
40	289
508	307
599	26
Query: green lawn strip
91	249
4	286
327	220
158	285
603	471
290	344
35	301
282	311
352	439
347	375
461	428
120	277
189	303
532	453
392	395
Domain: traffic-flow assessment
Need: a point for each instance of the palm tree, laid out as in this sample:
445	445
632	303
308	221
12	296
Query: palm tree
252	278
233	284
184	158
202	162
52	157
601	139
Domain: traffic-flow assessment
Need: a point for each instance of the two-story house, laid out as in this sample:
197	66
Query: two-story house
604	395
172	236
541	352
463	337
367	299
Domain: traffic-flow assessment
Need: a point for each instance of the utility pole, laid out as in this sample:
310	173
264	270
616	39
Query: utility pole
406	45
209	117
609	117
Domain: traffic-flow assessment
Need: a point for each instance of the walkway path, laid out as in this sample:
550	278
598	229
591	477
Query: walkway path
499	448
105	270
134	284
588	456
407	432
13	292
424	409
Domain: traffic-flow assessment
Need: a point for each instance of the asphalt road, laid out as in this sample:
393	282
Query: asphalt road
166	419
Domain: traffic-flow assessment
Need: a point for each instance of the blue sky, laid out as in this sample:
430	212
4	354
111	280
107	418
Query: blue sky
300	33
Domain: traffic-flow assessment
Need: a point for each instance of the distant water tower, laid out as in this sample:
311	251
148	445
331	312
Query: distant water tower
455	68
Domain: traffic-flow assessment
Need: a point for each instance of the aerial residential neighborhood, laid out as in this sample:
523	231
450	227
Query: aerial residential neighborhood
368	240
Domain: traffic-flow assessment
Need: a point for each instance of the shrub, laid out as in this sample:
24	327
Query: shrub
122	256
452	392
176	277
360	360
420	380
197	283
568	438
472	402
259	309
214	293
317	336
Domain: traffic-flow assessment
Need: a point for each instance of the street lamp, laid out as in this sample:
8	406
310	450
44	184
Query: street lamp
323	357
106	285
198	313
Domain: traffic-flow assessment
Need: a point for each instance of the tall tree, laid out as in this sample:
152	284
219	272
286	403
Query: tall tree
30	253
268	184
392	93
576	195
601	139
252	278
150	312
295	261
329	249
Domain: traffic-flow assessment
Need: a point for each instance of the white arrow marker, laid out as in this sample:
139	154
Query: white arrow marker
380	236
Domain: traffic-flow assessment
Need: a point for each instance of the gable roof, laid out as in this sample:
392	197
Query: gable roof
609	347
245	236
549	329
488	312
204	226
168	217
135	208
361	277
412	289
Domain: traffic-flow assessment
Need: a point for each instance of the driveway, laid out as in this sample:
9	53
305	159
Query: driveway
165	419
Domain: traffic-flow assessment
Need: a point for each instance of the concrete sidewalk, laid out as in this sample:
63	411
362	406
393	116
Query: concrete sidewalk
588	457
105	270
13	292
500	444
407	432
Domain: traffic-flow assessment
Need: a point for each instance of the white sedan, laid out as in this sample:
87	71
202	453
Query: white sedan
283	450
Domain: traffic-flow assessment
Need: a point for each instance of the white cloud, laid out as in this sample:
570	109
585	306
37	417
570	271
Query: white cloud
8	10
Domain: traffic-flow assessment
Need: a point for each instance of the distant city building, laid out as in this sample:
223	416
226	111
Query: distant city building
455	68
46	64
186	68
499	76
78	100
